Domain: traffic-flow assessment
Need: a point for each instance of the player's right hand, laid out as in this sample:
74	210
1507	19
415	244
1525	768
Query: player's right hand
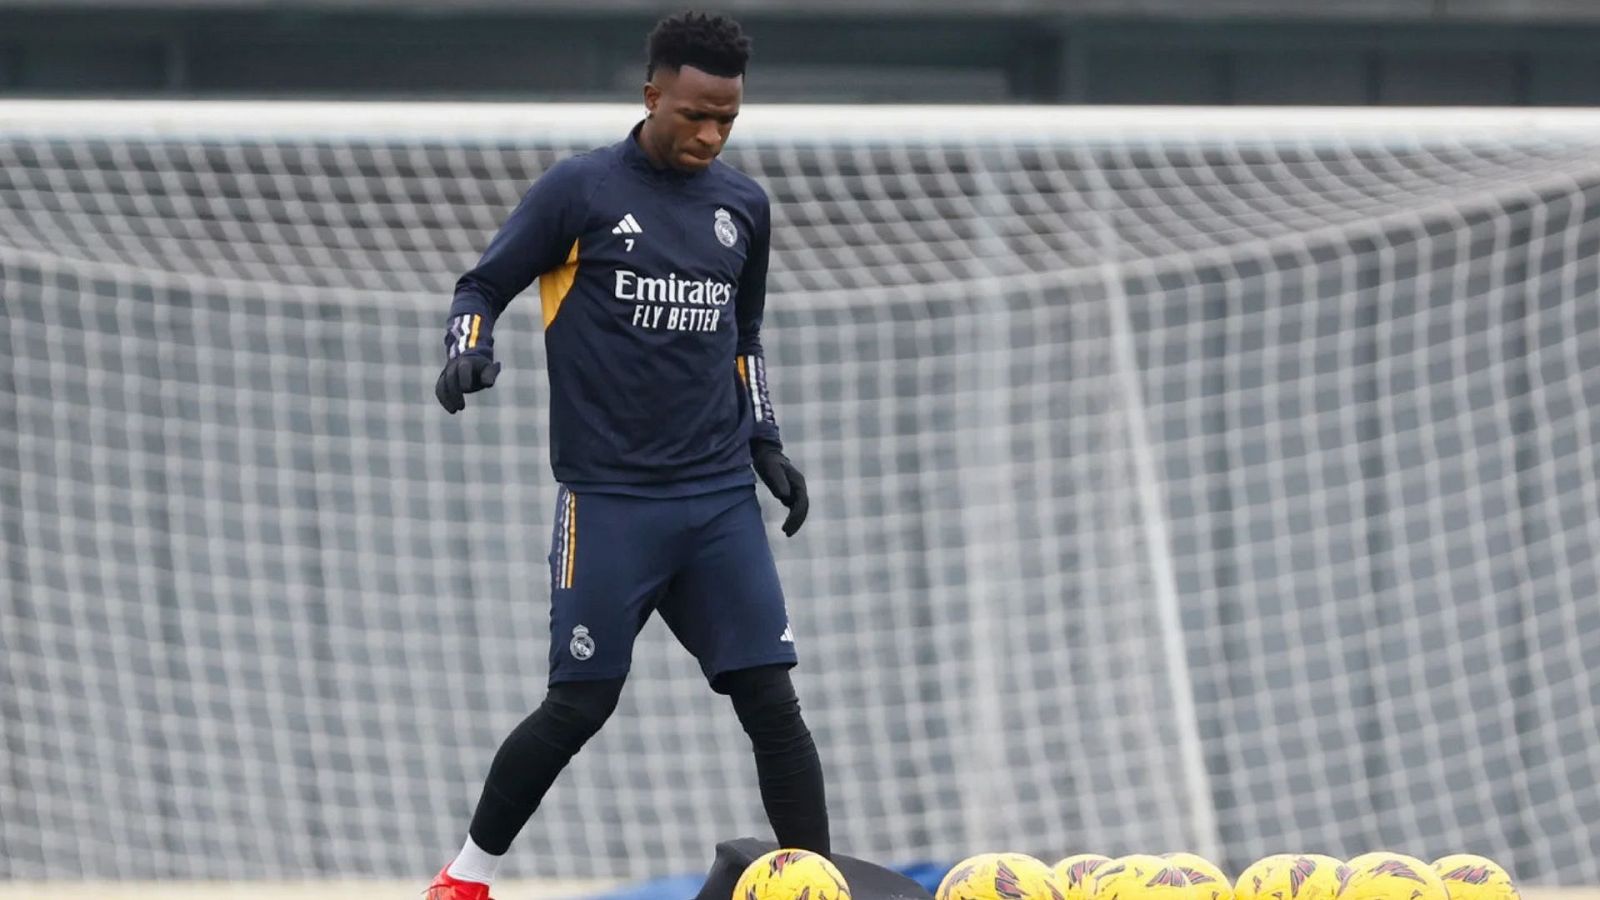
466	374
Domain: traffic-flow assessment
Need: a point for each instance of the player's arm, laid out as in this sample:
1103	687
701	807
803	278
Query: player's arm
536	238
766	446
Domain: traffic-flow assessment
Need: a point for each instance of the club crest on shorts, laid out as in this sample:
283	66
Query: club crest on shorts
727	232
582	645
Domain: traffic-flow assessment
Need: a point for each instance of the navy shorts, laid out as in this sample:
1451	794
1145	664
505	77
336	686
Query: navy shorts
703	562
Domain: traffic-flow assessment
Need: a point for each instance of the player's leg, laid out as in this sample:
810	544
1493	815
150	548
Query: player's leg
726	606
524	768
600	599
787	765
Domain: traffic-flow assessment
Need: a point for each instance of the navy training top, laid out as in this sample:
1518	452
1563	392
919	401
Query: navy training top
652	283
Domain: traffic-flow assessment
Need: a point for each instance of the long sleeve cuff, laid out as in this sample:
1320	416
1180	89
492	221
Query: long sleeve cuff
753	373
470	329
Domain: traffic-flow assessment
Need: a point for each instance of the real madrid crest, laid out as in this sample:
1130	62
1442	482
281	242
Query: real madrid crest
582	645
727	232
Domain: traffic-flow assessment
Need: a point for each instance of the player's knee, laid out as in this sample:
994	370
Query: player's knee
765	702
576	710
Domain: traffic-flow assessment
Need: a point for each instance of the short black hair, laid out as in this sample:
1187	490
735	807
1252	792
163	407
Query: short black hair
713	44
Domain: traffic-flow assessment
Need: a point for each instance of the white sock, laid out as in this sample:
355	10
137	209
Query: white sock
473	863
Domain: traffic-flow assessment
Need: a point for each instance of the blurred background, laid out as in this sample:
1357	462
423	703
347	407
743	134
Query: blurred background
1354	52
1198	418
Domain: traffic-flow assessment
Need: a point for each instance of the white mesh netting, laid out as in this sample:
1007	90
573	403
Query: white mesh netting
1210	480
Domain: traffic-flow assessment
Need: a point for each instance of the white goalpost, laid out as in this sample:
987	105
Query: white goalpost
1185	479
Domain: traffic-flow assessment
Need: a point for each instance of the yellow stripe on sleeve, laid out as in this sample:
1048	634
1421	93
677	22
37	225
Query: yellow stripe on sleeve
555	284
743	378
472	339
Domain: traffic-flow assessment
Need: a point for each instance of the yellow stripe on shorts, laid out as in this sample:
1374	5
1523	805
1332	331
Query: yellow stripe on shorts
572	539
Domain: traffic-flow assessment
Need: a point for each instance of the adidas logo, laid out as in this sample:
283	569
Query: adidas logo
788	634
628	225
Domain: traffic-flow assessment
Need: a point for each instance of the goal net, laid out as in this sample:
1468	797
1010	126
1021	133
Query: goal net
1182	479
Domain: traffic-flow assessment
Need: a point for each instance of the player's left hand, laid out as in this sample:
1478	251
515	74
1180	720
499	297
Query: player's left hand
786	483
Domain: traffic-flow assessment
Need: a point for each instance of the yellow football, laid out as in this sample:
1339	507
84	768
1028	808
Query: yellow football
1140	877
1308	876
1469	877
791	875
1255	874
1000	876
1390	876
1209	881
1075	874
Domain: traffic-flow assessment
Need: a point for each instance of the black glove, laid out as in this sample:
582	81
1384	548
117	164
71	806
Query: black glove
464	375
786	483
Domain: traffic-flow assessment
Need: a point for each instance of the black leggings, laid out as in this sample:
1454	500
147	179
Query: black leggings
787	766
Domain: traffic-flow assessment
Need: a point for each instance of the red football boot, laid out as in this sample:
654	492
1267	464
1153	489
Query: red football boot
446	888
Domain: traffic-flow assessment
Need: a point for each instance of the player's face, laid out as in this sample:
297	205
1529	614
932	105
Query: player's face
692	113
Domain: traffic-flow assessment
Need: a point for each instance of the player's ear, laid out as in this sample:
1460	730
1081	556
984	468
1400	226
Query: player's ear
652	97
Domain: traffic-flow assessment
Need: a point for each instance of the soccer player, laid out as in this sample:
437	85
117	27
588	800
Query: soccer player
651	256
